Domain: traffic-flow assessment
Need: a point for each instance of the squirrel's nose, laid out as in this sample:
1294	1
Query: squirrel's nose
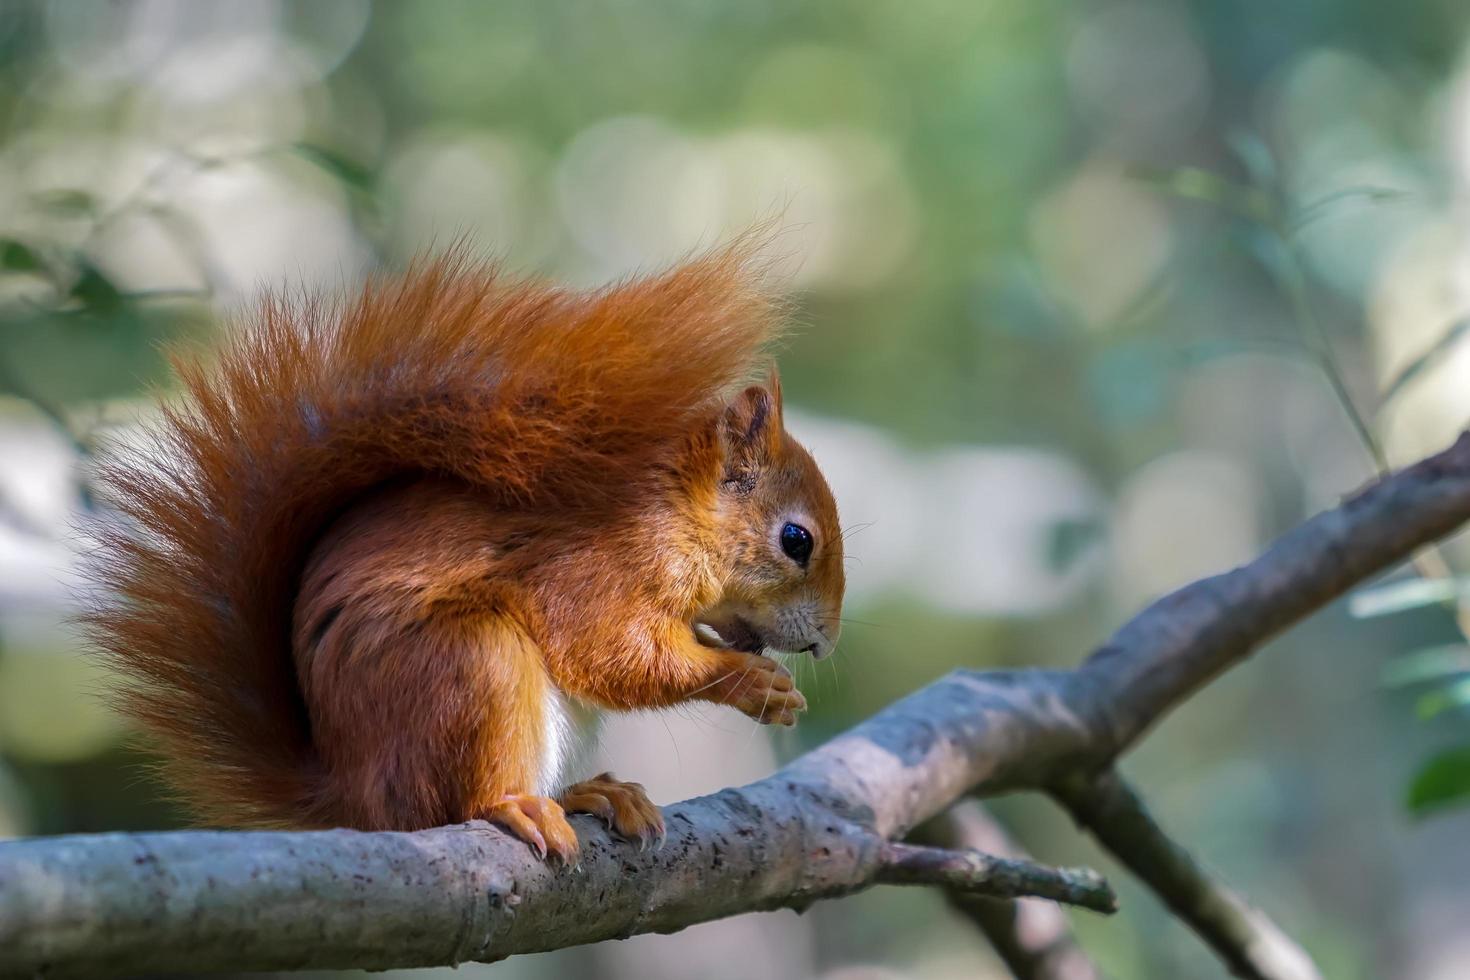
818	650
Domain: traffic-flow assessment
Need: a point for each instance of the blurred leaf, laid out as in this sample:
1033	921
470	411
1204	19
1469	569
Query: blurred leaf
18	256
1195	184
1402	596
349	172
1069	540
1443	780
95	291
1429	664
67	202
1424	361
1256	157
1442	699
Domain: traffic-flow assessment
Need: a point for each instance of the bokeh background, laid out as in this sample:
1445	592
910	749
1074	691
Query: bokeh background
1093	298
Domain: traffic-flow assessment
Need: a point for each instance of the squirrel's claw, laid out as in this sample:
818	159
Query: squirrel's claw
538	821
625	807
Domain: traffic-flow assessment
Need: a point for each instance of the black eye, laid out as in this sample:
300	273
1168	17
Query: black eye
796	541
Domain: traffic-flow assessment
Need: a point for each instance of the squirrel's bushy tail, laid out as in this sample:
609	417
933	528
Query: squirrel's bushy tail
541	396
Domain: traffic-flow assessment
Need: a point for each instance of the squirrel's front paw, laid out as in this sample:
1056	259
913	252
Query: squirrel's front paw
538	821
760	687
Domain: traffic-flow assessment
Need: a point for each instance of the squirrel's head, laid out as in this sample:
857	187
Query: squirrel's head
782	543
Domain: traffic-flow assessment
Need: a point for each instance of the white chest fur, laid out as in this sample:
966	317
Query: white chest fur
568	739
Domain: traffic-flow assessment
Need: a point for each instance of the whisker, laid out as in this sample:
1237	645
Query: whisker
683	710
827	556
711	720
678	758
845	620
708	723
718	680
837	676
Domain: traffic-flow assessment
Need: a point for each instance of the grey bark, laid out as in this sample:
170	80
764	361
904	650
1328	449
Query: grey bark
1250	944
973	872
818	828
118	904
1033	939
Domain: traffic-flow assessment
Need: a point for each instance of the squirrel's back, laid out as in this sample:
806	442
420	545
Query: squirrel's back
536	396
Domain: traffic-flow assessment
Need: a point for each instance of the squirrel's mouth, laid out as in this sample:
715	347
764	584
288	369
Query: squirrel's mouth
738	634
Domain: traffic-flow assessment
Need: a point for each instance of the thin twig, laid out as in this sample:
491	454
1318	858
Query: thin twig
977	873
1294	282
1248	942
1425	360
1033	939
1430	563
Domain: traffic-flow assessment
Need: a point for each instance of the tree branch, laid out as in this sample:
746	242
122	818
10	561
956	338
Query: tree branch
817	828
119	904
974	873
1033	938
1245	939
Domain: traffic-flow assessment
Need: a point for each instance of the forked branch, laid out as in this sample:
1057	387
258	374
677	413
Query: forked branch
820	827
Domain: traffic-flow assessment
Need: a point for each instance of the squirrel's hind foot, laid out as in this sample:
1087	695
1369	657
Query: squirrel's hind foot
540	822
625	807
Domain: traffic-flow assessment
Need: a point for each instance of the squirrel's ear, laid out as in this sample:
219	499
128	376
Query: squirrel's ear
753	426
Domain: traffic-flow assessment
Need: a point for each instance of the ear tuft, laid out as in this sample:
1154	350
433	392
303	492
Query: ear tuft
773	384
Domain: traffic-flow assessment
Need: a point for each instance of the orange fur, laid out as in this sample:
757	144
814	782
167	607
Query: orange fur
386	530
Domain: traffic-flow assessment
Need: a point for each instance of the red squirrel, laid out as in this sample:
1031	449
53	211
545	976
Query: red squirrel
386	547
